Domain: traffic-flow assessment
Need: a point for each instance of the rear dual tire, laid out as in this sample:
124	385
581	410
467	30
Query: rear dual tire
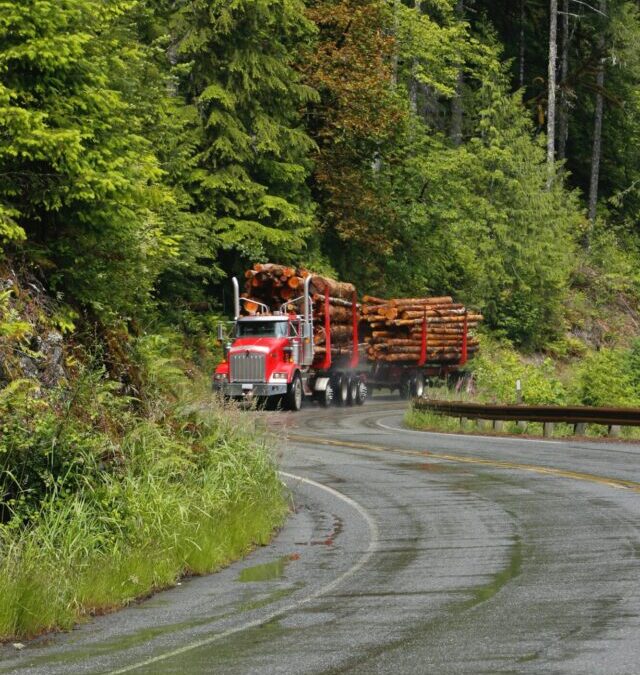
341	387
412	387
343	391
326	397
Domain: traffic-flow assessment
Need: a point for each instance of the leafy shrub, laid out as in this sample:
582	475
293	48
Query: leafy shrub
498	366
609	377
107	499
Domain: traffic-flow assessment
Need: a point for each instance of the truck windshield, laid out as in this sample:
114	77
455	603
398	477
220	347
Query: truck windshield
262	329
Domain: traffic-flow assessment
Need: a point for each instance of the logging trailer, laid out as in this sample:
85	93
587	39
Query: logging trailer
410	379
272	357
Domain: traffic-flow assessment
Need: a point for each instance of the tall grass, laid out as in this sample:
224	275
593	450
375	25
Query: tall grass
192	487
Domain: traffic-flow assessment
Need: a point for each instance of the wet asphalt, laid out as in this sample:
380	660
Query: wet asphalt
405	552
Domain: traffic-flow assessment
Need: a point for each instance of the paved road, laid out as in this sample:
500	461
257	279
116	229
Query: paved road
407	553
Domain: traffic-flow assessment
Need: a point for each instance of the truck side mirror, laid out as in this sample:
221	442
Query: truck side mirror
220	332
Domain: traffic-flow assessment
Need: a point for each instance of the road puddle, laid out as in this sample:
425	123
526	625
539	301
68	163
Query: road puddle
266	571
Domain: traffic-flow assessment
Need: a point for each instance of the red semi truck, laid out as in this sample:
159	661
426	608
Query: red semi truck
271	358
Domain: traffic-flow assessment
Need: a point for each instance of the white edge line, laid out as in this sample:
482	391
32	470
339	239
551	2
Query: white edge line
364	559
454	435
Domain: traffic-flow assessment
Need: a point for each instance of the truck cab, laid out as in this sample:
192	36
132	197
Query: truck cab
268	356
271	356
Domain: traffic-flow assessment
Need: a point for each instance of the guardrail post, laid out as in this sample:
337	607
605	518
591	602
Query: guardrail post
614	430
498	425
521	425
580	429
463	422
547	429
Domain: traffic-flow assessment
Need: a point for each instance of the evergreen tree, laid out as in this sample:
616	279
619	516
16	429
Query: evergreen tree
253	156
80	180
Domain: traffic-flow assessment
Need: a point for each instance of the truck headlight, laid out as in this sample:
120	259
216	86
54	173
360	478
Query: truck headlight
279	376
220	377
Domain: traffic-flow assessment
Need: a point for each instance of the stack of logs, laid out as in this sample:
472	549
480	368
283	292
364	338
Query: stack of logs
279	287
395	329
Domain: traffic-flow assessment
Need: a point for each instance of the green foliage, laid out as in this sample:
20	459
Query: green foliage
53	444
497	368
609	378
105	501
79	177
253	155
505	242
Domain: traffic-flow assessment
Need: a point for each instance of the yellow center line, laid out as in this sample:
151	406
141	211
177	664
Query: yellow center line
493	463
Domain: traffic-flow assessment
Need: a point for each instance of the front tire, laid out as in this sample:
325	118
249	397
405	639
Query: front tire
295	394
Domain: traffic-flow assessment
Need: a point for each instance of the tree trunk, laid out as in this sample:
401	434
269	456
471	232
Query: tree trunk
551	108
395	59
522	43
413	83
456	104
597	127
563	122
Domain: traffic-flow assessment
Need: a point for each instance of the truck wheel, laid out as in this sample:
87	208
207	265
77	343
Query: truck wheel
295	394
353	390
361	395
342	390
326	397
417	385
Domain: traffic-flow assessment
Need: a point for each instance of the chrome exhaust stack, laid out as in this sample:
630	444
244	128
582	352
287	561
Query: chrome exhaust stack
236	298
307	300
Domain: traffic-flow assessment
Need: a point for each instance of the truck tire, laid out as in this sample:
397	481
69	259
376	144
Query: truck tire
326	397
353	390
341	389
361	392
295	394
417	385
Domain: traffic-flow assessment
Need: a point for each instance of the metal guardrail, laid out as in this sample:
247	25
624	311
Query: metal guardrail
579	416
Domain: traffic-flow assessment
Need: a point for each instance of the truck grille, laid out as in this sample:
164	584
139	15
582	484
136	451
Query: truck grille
247	367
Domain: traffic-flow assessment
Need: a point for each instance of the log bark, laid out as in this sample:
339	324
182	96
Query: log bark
336	314
338	289
432	313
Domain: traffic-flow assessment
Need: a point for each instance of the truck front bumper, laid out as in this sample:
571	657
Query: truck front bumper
239	390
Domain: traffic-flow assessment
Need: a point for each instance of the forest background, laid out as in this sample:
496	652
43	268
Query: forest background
150	149
486	149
